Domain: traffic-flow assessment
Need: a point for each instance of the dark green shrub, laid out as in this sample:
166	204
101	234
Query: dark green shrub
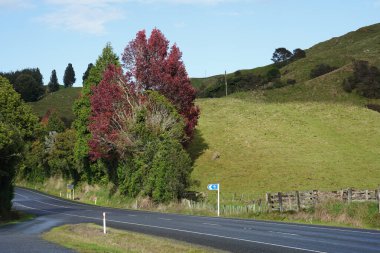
320	70
374	107
365	80
61	156
34	167
291	81
157	165
272	74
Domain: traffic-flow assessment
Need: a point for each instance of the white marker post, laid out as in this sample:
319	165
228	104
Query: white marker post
215	187
104	223
218	200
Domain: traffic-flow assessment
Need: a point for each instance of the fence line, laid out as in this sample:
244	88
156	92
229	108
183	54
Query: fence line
287	201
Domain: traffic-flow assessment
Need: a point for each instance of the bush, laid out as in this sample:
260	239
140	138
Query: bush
61	156
374	107
272	74
365	79
34	167
161	171
55	123
320	70
291	81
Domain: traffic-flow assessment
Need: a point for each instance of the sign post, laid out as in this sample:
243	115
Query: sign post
70	191
215	187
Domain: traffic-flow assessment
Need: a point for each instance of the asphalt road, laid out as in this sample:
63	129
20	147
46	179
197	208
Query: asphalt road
235	235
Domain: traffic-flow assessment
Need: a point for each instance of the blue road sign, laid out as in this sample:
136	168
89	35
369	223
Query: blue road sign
213	187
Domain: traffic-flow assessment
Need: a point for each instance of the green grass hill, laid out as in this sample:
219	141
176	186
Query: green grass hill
339	52
310	135
60	101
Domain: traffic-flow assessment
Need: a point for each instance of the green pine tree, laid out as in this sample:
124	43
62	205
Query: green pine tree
87	73
69	76
53	85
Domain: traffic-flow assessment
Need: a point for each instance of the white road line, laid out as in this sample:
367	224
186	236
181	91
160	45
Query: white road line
282	233
21	195
133	215
291	225
51	204
179	230
68	202
164	219
211	224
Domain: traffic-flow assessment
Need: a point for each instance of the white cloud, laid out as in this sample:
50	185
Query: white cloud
194	2
92	16
89	16
15	4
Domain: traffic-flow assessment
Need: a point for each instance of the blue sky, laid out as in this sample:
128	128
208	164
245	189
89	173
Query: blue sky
214	35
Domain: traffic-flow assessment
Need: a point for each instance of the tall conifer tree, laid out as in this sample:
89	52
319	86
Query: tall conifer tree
53	85
69	76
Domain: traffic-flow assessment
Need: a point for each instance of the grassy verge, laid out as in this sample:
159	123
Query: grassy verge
331	213
15	217
90	238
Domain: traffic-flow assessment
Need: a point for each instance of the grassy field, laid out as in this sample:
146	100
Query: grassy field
60	101
274	141
90	238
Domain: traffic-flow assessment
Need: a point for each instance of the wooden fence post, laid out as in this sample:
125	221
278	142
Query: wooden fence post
280	201
268	200
378	198
298	203
349	197
366	195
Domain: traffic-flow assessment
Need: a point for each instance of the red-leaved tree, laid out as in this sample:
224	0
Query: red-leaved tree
153	66
113	102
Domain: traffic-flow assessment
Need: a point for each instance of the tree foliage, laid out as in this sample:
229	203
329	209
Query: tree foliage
55	123
143	131
51	156
281	55
53	84
82	112
298	53
17	125
320	70
61	159
87	72
365	80
152	66
69	76
27	82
